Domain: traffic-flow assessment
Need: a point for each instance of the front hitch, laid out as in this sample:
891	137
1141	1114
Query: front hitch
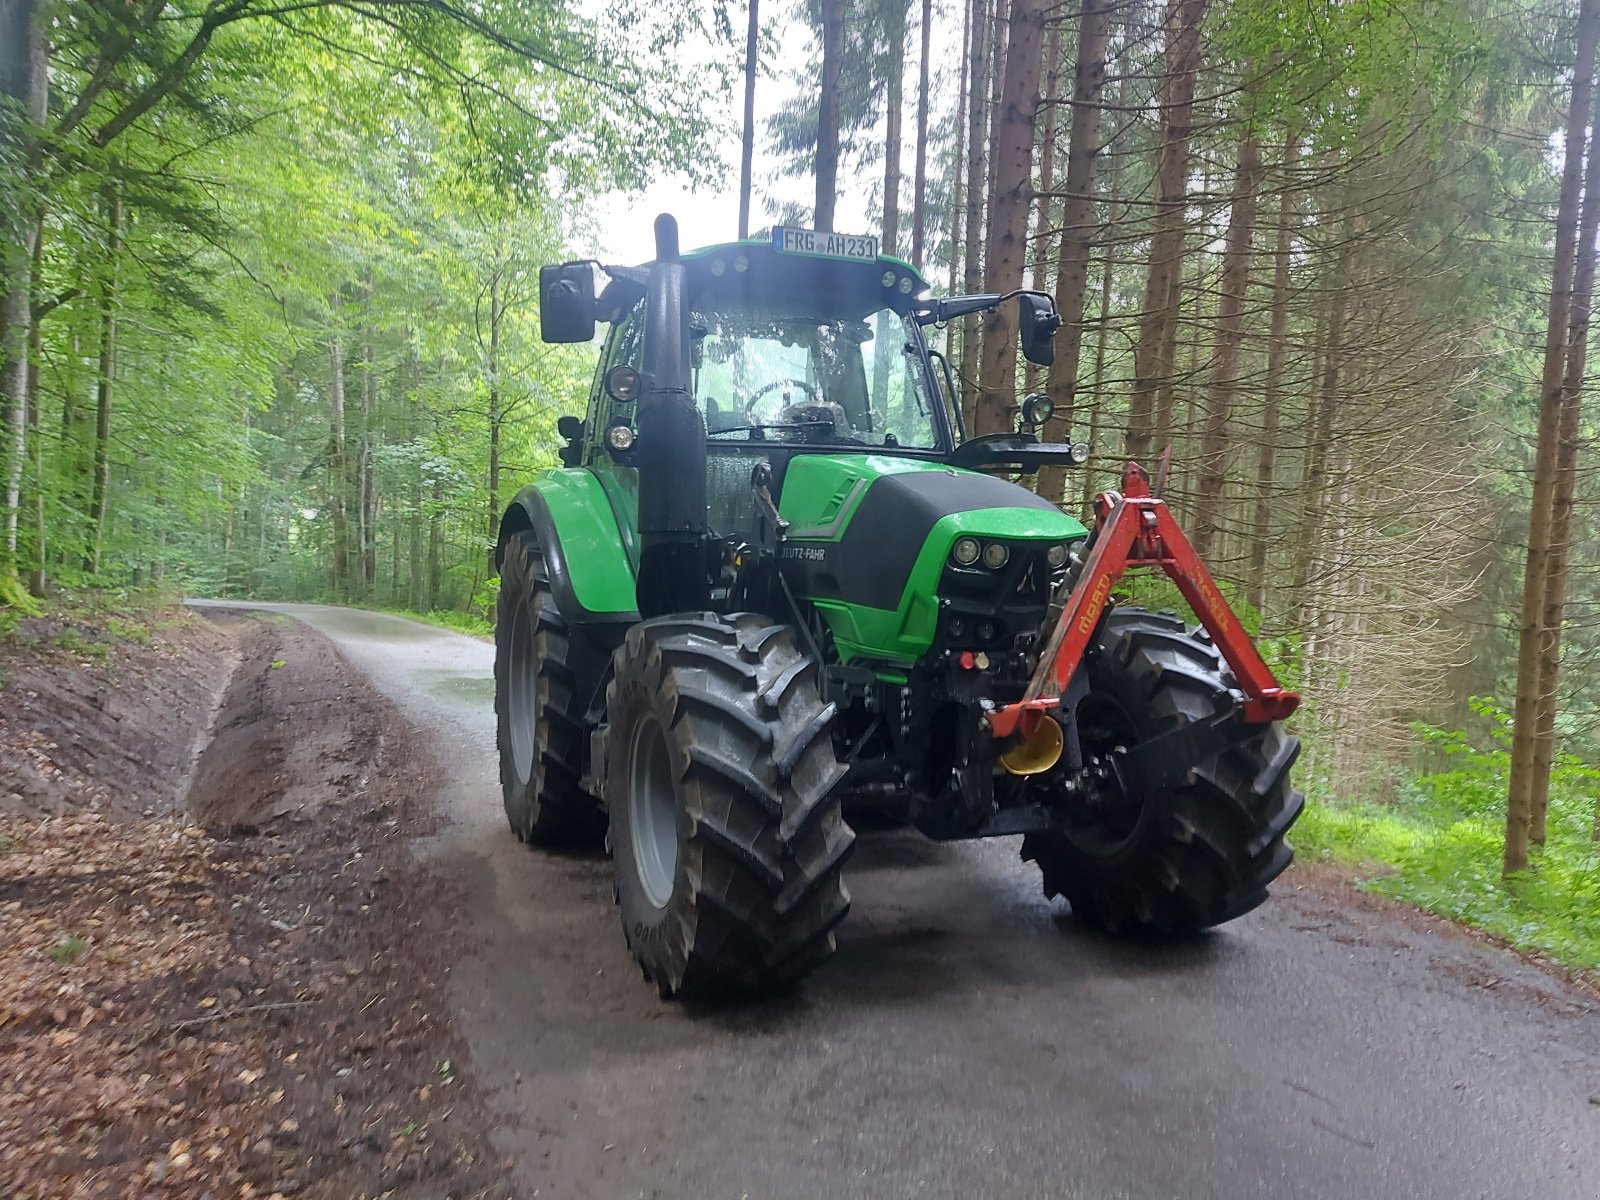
1133	528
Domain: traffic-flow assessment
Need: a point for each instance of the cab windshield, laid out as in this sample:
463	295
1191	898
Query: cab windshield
793	377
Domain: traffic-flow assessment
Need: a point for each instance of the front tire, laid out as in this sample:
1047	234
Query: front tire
1192	856
720	777
539	716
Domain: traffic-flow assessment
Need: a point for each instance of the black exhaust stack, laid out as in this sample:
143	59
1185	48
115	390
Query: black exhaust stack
673	574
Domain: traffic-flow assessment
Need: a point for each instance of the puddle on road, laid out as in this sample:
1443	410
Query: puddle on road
459	685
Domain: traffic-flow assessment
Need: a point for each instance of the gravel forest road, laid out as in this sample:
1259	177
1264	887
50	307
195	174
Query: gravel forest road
969	1040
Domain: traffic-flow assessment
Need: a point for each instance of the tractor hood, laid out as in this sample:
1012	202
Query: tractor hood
870	537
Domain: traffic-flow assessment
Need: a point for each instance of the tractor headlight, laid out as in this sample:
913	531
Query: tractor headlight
620	438
1056	556
623	384
966	551
1078	452
995	555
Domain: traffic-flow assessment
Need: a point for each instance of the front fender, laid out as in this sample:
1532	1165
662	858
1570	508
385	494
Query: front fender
571	518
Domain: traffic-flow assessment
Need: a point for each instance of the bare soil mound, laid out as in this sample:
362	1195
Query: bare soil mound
102	709
247	1014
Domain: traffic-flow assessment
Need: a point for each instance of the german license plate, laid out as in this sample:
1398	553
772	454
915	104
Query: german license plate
825	245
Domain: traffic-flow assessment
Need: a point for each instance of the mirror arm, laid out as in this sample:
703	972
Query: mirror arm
936	312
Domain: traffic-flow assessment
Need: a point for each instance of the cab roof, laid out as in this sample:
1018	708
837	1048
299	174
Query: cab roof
754	273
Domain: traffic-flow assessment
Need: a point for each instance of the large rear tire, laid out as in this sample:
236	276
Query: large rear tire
539	716
720	777
1191	856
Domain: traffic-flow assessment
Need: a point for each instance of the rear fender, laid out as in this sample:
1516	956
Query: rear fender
570	515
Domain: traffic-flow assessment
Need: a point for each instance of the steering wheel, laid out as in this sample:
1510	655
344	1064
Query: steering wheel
750	404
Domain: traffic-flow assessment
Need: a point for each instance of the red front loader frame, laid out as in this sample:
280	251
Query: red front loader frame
1134	528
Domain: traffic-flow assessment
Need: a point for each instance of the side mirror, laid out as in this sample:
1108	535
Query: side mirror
570	428
566	303
1036	410
1038	326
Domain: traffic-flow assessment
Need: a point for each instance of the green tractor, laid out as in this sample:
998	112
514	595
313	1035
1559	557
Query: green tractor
774	582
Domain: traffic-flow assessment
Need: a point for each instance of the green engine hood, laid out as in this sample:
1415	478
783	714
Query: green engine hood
870	534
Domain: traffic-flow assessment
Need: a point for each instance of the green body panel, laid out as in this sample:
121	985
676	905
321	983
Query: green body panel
821	493
592	540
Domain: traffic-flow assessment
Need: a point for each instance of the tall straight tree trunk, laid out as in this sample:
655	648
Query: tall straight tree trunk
1567	437
105	382
495	416
977	177
894	86
338	472
1008	222
1044	199
752	53
1519	799
1087	487
37	575
436	545
828	112
919	199
1077	225
24	84
1182	23
1211	478
957	181
1319	447
1272	400
368	487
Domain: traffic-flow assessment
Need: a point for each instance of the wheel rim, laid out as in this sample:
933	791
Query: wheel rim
652	812
522	688
1111	812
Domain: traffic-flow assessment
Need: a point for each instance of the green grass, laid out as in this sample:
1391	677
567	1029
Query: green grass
461	622
1439	847
64	952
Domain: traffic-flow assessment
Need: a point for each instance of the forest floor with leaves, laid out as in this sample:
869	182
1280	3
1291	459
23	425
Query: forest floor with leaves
218	970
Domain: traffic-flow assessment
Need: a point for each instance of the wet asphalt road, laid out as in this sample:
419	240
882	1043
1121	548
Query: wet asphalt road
970	1041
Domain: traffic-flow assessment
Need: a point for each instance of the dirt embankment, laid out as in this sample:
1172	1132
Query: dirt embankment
233	995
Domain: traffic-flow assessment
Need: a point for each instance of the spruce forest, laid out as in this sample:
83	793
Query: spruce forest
270	323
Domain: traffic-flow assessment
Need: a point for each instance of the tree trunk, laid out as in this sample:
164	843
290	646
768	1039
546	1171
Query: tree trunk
1319	446
37	575
828	112
1519	800
106	379
1567	439
435	545
977	175
894	37
1211	478
919	199
368	487
495	416
752	45
957	181
337	469
1077	226
1277	350
24	84
1044	200
1183	19
1087	487
1008	221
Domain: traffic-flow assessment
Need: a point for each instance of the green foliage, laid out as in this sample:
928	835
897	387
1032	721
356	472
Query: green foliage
72	641
69	949
128	631
449	618
1439	846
